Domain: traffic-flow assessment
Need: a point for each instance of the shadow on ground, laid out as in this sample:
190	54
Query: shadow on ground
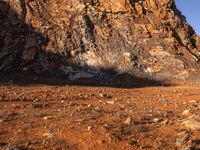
116	81
21	46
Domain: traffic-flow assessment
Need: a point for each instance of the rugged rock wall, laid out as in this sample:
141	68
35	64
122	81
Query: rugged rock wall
147	38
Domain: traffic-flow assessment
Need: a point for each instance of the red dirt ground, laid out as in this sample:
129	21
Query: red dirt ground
42	116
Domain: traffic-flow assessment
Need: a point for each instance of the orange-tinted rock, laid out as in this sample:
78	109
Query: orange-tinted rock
148	36
115	6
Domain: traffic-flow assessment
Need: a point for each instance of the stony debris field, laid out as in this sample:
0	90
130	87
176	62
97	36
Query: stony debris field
42	115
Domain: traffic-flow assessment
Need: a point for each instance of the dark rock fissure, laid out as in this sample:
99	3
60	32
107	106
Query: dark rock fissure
148	38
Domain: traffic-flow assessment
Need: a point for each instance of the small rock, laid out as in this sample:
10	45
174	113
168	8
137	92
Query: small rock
156	120
128	121
101	95
47	117
166	121
186	112
195	142
133	142
105	95
182	139
89	128
188	148
102	141
28	143
193	101
48	134
192	124
110	102
98	109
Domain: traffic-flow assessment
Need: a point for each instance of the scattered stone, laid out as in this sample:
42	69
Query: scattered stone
186	112
182	139
47	117
193	101
156	120
105	95
48	134
110	102
133	142
89	105
192	124
28	143
128	121
189	148
166	121
89	128
102	95
102	141
195	142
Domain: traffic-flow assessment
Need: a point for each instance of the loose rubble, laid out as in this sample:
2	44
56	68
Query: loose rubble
79	117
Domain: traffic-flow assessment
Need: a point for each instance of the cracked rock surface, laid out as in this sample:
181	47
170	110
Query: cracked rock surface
146	38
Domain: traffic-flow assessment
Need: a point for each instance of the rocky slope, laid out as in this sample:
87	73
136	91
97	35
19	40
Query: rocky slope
148	38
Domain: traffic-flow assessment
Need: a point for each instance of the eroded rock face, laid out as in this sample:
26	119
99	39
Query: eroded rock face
147	38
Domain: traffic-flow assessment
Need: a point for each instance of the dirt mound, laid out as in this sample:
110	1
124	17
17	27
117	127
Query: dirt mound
148	38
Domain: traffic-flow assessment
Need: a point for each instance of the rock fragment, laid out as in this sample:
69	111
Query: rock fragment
191	124
128	121
182	139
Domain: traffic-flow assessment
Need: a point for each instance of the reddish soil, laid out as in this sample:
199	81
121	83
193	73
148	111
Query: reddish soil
39	116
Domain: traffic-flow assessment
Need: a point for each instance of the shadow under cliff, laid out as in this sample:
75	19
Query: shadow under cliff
22	47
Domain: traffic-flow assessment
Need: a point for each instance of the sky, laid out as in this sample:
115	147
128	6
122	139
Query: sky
191	10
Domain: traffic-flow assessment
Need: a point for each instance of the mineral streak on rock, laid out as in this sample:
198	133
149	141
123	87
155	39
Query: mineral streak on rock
148	38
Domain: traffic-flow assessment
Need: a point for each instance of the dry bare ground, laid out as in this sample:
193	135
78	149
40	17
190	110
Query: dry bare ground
43	116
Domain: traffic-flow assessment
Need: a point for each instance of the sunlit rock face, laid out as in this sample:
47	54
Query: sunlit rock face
148	38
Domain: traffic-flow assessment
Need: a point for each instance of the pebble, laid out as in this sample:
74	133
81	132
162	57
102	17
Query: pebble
156	120
186	112
193	101
128	121
48	134
102	95
110	102
166	121
192	124
133	142
105	95
189	148
182	139
47	117
89	128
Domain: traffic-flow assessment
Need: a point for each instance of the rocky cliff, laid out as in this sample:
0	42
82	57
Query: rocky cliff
148	38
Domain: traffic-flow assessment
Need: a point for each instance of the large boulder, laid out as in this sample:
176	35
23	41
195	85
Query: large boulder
148	38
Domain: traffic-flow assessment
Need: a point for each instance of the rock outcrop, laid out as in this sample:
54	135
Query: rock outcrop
148	38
